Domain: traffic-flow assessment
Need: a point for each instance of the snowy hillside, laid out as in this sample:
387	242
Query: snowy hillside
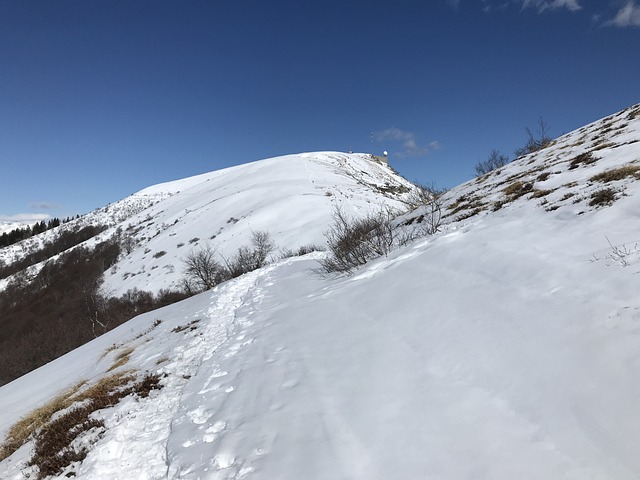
505	347
290	197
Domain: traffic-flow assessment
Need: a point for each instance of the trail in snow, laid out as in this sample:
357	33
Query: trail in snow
142	434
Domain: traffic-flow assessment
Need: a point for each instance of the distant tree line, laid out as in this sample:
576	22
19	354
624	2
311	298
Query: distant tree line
19	234
59	244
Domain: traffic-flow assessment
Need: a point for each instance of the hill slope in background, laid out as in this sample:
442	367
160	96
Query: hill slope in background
290	197
506	346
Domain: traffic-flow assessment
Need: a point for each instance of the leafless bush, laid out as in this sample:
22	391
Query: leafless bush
536	141
203	271
620	253
250	258
427	199
493	162
353	243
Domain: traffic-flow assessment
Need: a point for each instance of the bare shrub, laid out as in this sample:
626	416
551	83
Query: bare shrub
537	141
353	243
427	199
493	162
203	271
302	250
250	258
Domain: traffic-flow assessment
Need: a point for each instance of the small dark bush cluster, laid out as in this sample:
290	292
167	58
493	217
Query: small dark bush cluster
203	269
192	325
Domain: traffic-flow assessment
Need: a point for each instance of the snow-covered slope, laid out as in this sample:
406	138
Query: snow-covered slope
6	227
290	197
507	346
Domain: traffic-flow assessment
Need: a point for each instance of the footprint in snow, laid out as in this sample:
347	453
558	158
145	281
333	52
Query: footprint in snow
211	433
199	416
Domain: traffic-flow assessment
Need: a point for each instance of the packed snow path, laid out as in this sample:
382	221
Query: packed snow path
143	437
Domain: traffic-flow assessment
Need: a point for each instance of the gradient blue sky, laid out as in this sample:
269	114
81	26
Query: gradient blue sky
100	98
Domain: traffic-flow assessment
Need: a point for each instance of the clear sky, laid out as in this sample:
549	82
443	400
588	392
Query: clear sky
100	98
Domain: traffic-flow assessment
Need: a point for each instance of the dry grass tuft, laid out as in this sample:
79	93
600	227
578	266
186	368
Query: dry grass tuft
617	174
122	358
603	198
518	189
582	159
541	193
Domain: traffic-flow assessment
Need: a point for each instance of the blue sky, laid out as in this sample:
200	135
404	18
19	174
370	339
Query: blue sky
100	98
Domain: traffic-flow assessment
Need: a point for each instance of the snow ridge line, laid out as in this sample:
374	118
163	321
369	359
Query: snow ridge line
136	442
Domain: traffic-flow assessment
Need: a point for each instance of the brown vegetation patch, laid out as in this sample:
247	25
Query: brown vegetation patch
633	114
53	450
122	358
470	214
603	145
27	425
603	198
543	176
465	202
192	325
617	174
583	159
541	193
518	189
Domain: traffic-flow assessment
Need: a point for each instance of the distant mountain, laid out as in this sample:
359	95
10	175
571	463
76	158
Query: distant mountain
507	345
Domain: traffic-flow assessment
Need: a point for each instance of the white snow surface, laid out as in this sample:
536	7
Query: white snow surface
506	346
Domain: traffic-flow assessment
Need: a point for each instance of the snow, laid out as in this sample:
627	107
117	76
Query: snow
506	346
